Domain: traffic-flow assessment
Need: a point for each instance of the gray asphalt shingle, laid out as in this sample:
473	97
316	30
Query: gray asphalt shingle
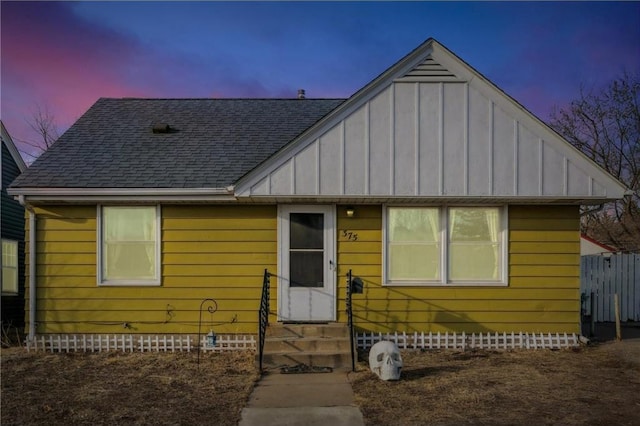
214	142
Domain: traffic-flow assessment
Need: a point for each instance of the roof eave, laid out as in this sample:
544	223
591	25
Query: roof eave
429	199
99	195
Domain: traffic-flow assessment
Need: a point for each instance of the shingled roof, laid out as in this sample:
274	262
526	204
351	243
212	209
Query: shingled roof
211	142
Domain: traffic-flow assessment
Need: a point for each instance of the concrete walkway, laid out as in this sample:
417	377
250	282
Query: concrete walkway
311	399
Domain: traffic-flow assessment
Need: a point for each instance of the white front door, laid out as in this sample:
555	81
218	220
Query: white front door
306	263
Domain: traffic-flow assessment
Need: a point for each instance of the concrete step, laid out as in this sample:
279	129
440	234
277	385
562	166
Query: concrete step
308	330
312	359
306	344
314	345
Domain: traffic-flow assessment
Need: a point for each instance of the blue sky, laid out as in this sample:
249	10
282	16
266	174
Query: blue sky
66	55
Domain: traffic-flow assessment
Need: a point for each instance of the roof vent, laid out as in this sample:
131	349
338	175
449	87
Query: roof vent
300	93
161	128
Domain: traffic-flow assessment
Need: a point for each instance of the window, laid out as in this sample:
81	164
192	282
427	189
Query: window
453	245
129	245
9	267
413	244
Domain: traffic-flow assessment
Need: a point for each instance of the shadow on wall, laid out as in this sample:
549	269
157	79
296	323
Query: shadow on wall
409	310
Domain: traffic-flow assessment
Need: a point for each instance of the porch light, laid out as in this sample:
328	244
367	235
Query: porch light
350	212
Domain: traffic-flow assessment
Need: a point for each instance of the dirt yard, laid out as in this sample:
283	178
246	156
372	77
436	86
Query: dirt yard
124	389
589	386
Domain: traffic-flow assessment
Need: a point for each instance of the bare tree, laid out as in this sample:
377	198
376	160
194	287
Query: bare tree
606	127
42	122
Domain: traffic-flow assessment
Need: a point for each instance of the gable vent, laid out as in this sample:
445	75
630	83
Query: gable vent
161	128
429	70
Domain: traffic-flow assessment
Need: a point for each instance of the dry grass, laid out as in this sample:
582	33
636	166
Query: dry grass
116	388
594	386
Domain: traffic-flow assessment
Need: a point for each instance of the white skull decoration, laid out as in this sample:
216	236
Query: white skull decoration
385	360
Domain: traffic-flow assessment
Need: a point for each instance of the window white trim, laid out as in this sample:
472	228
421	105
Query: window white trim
156	281
14	269
444	280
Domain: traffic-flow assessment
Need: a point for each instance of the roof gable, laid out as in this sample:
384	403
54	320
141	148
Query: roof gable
8	142
431	127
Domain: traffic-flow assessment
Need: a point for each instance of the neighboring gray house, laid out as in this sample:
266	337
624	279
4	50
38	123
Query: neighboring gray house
12	214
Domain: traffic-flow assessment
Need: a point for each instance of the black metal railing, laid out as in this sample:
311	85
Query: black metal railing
354	285
263	315
350	321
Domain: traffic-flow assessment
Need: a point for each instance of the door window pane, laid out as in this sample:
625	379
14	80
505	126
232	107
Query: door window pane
307	231
306	269
306	250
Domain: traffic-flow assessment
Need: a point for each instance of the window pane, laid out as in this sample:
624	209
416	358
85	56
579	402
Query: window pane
9	253
413	224
129	223
129	243
9	266
413	246
307	231
9	280
474	244
306	268
474	224
414	262
129	261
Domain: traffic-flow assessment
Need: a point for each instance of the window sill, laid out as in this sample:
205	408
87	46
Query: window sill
9	294
441	284
130	284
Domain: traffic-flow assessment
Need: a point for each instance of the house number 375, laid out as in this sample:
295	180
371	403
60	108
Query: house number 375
351	236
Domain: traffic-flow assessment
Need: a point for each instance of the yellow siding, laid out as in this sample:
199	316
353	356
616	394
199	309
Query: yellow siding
221	252
542	294
217	252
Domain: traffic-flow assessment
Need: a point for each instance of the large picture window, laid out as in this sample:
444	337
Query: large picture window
129	245
450	245
9	267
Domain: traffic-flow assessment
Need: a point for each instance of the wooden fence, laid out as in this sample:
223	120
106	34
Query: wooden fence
601	277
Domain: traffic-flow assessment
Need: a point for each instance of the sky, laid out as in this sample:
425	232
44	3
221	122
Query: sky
61	57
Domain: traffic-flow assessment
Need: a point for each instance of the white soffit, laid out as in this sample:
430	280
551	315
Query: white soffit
431	126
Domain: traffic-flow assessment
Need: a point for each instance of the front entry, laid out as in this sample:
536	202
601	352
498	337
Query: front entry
306	263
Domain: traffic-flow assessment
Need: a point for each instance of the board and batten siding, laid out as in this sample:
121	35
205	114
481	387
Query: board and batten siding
217	252
542	295
433	139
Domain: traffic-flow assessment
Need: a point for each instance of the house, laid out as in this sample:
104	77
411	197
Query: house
457	208
589	246
12	218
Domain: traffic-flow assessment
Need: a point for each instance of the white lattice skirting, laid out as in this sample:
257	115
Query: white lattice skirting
233	342
137	343
463	341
